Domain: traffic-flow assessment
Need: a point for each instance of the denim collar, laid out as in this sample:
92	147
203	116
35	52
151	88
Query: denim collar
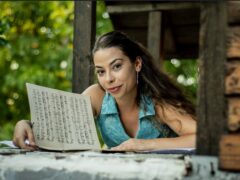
109	106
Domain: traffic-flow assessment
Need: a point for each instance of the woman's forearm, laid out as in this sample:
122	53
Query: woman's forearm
185	141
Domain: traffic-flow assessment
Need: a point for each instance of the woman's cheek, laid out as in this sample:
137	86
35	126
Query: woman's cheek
100	81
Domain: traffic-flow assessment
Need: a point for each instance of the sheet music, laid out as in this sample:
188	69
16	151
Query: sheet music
61	119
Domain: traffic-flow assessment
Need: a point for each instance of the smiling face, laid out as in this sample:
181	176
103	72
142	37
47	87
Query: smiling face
115	72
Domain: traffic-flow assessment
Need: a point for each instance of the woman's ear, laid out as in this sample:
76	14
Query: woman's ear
138	63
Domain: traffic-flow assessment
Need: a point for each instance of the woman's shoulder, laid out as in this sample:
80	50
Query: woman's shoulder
93	89
96	94
167	112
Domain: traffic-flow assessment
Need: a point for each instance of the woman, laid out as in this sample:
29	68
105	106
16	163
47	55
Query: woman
137	107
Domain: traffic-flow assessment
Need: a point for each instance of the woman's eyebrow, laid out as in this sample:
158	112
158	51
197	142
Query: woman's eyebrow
112	62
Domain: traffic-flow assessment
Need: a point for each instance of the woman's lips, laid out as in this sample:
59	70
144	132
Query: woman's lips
114	89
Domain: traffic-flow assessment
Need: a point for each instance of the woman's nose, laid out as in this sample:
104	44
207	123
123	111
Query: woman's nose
109	77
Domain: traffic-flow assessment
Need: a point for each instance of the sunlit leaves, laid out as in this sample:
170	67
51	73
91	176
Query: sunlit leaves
103	24
39	39
185	73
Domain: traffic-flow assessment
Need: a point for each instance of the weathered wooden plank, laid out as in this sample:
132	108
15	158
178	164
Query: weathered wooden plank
155	35
234	114
211	107
229	158
234	12
160	6
232	79
233	42
84	36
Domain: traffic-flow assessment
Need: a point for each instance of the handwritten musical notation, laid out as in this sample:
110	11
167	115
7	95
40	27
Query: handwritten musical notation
60	117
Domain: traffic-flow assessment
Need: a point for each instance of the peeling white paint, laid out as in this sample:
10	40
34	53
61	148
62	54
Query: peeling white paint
96	165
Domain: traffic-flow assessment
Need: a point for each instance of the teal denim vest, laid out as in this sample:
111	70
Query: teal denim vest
112	130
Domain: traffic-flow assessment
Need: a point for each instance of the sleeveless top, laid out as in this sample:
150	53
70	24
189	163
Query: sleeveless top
111	127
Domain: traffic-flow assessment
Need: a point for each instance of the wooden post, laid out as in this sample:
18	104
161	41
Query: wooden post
211	112
84	37
154	35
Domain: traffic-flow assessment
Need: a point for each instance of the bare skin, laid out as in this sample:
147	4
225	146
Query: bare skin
22	132
117	75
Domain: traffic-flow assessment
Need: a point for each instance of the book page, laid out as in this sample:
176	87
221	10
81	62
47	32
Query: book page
61	120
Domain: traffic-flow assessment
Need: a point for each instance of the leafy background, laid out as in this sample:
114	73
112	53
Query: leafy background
36	46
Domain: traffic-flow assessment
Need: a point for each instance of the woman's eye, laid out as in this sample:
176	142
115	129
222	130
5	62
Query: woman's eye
117	67
100	72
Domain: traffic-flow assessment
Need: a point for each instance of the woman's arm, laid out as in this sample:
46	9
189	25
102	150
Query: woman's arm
96	94
178	120
187	141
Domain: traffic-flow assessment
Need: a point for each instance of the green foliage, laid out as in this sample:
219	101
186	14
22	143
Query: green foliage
39	39
103	24
185	73
6	131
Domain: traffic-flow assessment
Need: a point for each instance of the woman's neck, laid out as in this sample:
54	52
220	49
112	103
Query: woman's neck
128	103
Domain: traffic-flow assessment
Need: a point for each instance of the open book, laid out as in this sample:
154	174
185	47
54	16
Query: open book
62	120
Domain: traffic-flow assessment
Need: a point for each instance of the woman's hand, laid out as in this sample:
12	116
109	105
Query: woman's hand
22	132
132	145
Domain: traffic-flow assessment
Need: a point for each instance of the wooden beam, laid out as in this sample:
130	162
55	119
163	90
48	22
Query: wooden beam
229	157
232	79
233	42
234	114
116	9
154	35
211	112
84	37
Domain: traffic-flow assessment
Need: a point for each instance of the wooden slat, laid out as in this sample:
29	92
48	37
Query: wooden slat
160	6
84	36
211	107
154	35
229	156
234	114
233	42
232	80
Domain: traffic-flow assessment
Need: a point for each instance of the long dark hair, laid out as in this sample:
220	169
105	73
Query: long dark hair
152	82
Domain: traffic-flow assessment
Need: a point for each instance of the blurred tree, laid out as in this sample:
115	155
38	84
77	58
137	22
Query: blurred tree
38	50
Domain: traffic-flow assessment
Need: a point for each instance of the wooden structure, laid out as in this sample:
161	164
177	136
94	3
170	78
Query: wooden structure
169	30
84	13
208	31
